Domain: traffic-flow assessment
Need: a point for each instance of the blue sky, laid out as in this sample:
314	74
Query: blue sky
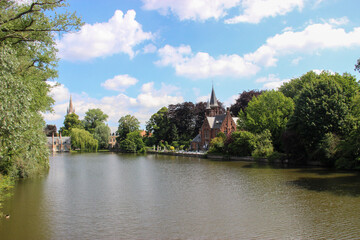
136	56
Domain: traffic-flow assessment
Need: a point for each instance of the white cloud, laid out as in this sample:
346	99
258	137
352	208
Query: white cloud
271	81
142	106
203	98
119	35
119	83
255	10
202	65
190	9
58	91
231	100
339	21
313	38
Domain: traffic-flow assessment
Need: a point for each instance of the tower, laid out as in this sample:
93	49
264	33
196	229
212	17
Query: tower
212	106
71	108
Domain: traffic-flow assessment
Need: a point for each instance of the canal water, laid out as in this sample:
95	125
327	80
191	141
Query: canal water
114	196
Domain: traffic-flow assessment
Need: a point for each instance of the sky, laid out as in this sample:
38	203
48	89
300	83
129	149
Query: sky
136	56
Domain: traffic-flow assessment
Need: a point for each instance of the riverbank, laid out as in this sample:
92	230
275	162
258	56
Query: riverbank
232	158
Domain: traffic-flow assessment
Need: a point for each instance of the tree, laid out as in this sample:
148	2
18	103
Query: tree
243	100
127	124
271	110
321	108
127	146
27	61
241	143
50	130
158	125
83	140
94	118
357	65
71	121
136	138
102	135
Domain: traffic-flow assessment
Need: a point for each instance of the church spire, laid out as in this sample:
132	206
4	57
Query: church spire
71	108
213	100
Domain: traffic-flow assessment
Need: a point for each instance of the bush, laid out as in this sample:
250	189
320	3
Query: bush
327	149
264	147
349	151
242	143
127	146
216	145
172	148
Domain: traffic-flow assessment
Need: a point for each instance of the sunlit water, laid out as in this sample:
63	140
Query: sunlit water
113	196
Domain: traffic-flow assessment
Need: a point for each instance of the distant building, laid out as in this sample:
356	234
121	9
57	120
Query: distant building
71	108
59	144
214	123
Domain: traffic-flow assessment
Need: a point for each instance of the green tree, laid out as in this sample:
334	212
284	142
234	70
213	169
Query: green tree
71	121
83	140
27	61
321	108
158	125
127	124
93	118
271	110
127	146
241	143
136	138
102	135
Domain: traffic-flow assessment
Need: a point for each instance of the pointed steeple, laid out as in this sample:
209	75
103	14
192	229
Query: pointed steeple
213	100
71	108
208	105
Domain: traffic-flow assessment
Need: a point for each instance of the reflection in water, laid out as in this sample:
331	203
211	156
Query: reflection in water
111	196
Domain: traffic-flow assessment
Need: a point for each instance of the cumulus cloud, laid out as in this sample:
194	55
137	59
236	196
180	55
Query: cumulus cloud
271	81
339	21
202	65
58	91
190	9
313	38
255	10
150	48
119	35
149	100
119	83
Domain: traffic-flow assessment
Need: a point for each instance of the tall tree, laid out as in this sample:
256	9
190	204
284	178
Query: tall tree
270	111
71	121
27	61
127	124
102	135
243	100
83	140
93	118
159	125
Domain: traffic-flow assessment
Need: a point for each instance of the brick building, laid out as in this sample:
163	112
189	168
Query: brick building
214	123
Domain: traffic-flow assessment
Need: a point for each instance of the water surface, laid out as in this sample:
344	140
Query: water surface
113	196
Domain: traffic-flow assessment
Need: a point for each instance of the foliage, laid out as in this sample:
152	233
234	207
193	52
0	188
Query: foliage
349	151
136	138
217	145
83	140
357	65
6	183
327	149
127	146
320	108
243	100
241	143
127	124
263	145
102	135
158	125
71	121
50	130
271	110
94	118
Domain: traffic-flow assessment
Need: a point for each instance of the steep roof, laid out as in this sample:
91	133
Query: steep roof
71	108
197	139
215	122
213	100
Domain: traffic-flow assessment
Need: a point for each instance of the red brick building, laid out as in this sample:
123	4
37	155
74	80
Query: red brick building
214	123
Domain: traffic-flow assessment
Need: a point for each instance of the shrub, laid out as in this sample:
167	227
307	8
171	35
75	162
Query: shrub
127	146
243	143
263	145
216	145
